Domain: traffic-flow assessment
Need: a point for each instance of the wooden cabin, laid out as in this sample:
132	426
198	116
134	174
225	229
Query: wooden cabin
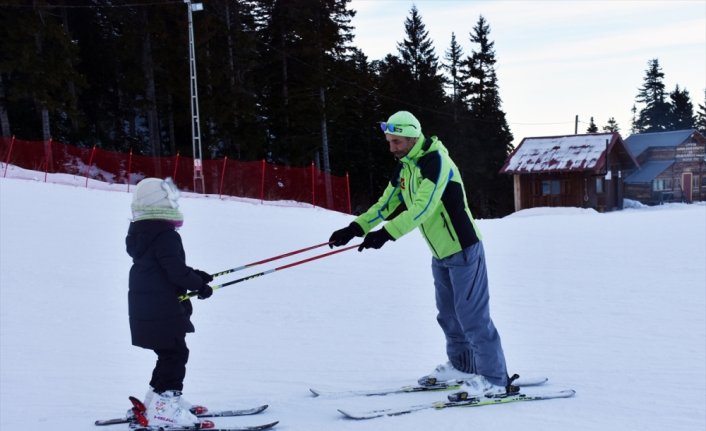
583	171
672	167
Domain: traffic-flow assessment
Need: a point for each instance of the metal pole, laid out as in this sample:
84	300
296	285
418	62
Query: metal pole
195	128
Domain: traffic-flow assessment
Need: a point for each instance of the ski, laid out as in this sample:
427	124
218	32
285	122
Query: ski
471	402
207	414
237	428
442	386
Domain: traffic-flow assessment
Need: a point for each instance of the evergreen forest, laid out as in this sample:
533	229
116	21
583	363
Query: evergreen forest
278	80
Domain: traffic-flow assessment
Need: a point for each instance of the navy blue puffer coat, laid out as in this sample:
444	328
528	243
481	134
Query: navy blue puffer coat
159	275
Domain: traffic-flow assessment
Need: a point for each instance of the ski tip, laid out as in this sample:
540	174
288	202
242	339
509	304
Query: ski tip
314	392
358	417
266	426
103	422
346	414
252	411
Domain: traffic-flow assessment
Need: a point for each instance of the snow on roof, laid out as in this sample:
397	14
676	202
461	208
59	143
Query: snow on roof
558	153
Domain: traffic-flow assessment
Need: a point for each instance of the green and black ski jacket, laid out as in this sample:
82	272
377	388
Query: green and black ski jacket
426	191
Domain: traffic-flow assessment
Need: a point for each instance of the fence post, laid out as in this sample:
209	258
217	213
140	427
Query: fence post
46	169
223	174
48	153
90	162
348	193
262	182
9	155
176	163
313	186
129	169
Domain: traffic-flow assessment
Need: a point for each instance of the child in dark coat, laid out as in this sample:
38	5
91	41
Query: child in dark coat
159	320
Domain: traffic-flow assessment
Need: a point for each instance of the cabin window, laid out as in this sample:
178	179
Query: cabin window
551	187
599	185
695	181
661	184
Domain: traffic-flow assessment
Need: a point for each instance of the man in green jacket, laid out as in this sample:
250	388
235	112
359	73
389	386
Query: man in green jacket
426	192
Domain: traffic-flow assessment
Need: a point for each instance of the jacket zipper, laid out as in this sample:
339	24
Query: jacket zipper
448	228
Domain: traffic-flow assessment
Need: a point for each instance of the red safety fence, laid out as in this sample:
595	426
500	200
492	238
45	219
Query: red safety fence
223	177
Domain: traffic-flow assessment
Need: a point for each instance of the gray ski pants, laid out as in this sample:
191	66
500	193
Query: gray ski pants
462	299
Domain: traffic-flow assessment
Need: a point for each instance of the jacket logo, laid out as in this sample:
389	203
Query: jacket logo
402	184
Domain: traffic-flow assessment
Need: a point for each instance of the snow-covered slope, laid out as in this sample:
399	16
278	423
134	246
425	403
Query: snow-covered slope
612	305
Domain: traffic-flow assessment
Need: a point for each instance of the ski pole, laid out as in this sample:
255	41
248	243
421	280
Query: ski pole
289	265
270	259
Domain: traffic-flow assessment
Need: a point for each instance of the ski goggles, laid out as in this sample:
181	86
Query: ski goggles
394	128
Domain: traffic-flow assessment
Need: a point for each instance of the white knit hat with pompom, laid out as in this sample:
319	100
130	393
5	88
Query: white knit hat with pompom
156	199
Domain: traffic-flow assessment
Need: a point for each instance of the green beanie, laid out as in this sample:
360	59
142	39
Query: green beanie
404	124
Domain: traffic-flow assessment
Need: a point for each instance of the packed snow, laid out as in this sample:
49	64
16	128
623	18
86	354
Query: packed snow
612	305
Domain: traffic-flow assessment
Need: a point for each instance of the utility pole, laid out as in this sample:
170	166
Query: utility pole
576	125
195	128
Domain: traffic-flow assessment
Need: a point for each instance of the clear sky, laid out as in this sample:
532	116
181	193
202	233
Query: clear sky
561	58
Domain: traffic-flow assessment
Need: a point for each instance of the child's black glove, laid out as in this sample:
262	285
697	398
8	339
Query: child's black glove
205	291
206	277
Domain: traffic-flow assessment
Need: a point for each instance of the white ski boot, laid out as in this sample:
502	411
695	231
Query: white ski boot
444	373
480	387
165	409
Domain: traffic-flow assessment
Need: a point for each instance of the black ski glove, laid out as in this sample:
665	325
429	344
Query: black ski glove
342	236
206	277
375	239
205	291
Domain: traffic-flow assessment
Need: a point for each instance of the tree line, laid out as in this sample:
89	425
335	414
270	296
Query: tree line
659	111
278	80
662	111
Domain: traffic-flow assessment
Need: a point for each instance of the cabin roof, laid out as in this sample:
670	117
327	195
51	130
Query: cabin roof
648	171
640	142
562	153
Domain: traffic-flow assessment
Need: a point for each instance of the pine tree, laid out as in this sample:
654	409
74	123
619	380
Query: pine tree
633	120
5	129
230	106
488	134
417	49
654	117
357	144
611	126
425	97
701	116
38	63
453	57
480	81
681	110
303	41
592	128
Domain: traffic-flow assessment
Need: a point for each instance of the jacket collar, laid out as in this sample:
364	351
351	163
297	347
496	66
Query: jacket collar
417	150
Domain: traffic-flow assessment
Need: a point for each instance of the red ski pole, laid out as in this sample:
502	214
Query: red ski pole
269	271
270	259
